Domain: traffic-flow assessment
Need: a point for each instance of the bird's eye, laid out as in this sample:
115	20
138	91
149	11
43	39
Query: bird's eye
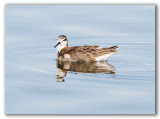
65	39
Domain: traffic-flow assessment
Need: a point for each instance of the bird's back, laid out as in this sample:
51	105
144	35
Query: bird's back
86	53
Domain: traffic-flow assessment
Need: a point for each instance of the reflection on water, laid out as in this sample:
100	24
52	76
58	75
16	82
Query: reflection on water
82	67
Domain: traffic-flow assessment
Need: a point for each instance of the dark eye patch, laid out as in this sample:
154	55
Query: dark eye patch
65	39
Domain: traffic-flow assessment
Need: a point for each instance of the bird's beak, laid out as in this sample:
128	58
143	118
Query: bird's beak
57	44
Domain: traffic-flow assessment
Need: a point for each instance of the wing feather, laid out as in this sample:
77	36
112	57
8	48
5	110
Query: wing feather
86	53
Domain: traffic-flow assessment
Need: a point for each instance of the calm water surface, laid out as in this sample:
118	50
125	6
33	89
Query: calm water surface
35	83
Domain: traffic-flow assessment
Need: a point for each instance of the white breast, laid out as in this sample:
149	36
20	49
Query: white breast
67	56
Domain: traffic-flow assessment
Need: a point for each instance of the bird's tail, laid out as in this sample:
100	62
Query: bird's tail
106	53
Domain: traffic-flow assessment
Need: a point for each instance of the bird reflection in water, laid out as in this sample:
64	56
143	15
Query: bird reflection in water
82	67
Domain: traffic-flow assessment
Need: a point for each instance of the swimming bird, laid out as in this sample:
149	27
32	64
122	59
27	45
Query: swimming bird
86	53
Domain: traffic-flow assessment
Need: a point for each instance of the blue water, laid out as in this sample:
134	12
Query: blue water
31	85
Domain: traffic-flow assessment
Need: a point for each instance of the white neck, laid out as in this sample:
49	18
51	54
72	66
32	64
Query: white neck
60	47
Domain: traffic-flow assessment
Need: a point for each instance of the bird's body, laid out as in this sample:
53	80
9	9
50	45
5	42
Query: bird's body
82	53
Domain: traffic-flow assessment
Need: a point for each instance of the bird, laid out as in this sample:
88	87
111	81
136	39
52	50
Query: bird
86	53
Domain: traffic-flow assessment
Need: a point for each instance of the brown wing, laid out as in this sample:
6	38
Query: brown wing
108	50
86	53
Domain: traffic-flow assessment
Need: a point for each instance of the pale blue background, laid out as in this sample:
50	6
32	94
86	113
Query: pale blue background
31	32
